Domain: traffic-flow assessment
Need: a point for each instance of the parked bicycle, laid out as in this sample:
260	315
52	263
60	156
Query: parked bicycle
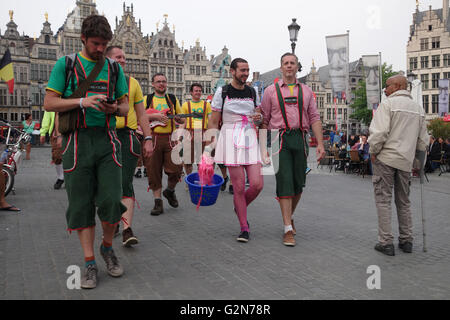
12	156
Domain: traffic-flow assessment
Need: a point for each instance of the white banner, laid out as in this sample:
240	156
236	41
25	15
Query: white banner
338	59
443	97
372	73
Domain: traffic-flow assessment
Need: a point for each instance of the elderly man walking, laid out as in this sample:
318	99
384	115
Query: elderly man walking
397	130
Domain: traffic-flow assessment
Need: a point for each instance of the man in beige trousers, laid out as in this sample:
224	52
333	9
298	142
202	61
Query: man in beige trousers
397	130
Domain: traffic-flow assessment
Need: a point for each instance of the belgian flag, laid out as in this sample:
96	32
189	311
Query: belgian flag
7	71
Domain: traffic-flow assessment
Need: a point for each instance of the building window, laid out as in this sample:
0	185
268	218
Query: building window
426	103
436	61
446	60
188	86
435	80
154	70
128	48
424	62
203	70
413	63
328	114
424	78
435	42
3	99
328	97
207	87
179	75
192	70
446	75
171	74
434	103
424	44
162	70
197	70
161	54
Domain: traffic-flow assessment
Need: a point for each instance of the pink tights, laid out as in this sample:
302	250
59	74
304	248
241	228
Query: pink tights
243	198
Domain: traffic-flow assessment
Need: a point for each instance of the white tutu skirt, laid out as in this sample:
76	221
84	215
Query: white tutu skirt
238	144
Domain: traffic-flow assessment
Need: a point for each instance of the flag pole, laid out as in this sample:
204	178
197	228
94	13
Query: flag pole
347	86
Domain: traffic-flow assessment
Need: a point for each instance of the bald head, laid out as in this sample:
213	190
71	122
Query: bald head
396	83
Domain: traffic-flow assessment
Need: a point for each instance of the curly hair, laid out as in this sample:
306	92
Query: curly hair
96	26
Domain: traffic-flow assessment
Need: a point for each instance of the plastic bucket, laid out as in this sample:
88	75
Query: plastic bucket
210	193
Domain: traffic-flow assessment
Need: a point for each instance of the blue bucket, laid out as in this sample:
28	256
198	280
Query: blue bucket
210	193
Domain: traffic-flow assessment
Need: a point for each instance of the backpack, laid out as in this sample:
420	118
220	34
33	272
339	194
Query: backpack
71	61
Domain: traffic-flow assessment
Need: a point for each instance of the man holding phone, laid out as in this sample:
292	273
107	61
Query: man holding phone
92	159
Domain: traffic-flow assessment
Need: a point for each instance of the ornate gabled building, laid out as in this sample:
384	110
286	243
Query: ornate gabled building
128	35
44	53
198	69
428	53
14	106
166	57
69	34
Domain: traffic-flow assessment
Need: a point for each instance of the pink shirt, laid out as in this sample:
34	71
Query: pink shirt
271	110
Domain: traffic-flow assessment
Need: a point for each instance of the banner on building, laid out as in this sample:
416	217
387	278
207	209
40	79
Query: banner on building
338	59
443	97
372	66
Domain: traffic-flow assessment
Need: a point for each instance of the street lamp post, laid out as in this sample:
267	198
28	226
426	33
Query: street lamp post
41	86
294	28
411	77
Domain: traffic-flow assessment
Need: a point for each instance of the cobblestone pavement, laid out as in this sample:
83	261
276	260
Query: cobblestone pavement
185	254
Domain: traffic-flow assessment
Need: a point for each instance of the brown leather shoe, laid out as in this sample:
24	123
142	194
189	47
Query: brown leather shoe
158	209
171	197
288	239
293	227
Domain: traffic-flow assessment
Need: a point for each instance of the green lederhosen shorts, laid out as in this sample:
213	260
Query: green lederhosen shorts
291	176
92	163
131	151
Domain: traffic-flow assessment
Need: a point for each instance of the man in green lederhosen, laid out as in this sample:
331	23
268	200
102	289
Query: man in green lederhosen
290	108
92	160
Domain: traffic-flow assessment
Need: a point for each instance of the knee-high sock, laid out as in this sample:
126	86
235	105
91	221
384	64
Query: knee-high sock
59	171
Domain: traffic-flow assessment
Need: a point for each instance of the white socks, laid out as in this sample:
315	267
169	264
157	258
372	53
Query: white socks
288	228
59	172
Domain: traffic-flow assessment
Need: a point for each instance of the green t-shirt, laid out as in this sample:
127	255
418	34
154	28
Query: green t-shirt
101	85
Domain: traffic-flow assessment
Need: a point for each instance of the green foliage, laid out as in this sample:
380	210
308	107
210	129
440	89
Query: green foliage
439	128
359	106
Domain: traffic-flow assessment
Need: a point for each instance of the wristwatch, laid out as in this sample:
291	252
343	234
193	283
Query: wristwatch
148	138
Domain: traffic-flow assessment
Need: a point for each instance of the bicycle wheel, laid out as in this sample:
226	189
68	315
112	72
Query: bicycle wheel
9	180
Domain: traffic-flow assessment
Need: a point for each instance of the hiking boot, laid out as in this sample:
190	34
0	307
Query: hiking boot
112	263
386	249
224	186
230	189
158	209
128	238
406	247
138	174
294	231
89	279
171	197
288	239
58	184
244	237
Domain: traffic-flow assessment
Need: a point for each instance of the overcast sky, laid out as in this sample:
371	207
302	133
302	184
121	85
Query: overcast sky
255	30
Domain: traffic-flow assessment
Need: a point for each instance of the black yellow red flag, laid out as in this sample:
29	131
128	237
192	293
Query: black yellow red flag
7	71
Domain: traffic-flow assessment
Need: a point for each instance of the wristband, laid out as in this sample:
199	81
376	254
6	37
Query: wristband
81	103
148	138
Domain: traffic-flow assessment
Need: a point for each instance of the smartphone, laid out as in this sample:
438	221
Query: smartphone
308	170
110	101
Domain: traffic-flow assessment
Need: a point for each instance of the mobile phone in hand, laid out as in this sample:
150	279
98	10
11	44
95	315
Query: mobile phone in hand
110	101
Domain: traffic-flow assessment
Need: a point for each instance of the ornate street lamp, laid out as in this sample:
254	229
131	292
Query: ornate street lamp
294	28
411	76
